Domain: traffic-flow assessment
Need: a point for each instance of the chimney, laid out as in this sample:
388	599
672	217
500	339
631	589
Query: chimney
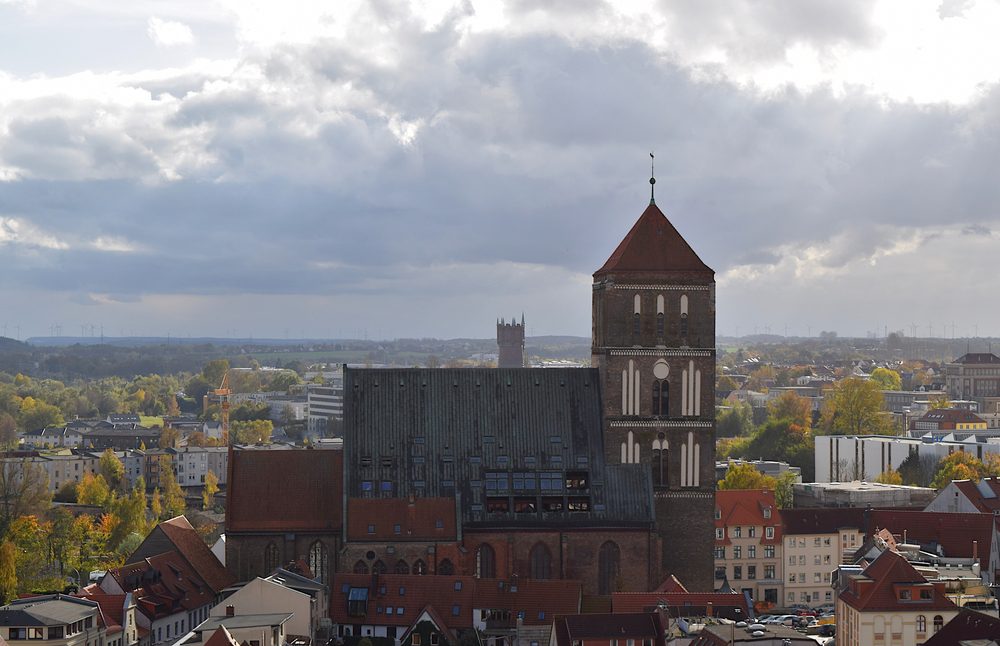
975	550
230	611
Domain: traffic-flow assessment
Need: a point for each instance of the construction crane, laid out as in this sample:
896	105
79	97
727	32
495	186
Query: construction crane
221	395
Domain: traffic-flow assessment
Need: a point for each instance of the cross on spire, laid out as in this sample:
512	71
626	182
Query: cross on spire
652	178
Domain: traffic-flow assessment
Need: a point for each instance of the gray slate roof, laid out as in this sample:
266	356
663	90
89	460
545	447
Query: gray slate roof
446	428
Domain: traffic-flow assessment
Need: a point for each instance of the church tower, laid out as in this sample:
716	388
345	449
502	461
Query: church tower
510	342
654	344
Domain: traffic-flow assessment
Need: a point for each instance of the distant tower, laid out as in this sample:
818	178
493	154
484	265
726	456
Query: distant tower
654	344
510	339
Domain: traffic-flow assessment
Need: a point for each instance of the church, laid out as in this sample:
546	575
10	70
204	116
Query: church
602	475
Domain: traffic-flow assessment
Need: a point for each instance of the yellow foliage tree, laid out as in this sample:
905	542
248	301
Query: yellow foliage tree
745	476
890	476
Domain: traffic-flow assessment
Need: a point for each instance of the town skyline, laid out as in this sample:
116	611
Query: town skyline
441	164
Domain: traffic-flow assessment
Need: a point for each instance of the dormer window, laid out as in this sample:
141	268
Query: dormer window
767	512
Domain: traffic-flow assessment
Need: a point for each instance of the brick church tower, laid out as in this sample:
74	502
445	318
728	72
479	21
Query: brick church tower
654	344
510	341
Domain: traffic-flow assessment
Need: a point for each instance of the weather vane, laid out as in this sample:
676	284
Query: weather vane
652	178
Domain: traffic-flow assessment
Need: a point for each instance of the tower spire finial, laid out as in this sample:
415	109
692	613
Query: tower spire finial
652	178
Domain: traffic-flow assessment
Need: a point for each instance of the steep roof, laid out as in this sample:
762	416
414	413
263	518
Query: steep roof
221	637
654	245
600	627
968	625
953	415
187	542
875	587
978	357
280	491
163	585
741	507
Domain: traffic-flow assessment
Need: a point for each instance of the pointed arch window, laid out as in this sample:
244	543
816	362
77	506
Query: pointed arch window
271	558
446	567
319	561
419	567
661	397
486	562
541	562
402	567
636	310
684	315
360	567
608	567
661	460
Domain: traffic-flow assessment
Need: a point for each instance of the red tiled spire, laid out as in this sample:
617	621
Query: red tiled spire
654	245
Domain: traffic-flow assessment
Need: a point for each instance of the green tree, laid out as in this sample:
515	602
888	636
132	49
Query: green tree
284	380
890	476
780	440
214	371
173	495
735	421
784	490
211	488
854	407
725	383
131	512
918	470
66	493
36	414
887	379
746	476
111	467
8	571
197	387
789	405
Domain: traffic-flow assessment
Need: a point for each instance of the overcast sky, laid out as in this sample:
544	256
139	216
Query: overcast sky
337	169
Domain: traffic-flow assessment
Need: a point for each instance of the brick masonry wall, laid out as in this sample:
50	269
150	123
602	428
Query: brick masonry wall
245	552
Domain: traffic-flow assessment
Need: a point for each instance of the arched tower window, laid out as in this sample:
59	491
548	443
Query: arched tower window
608	567
541	562
360	567
659	315
378	567
486	562
402	567
921	624
419	567
661	460
938	622
271	558
684	315
446	567
319	561
636	311
661	388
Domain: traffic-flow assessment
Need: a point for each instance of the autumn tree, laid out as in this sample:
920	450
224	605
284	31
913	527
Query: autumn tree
734	421
169	437
252	432
890	476
156	505
746	476
789	405
173	495
93	490
214	371
725	383
111	467
784	489
918	470
24	490
36	414
8	571
960	465
211	488
887	379
131	513
854	407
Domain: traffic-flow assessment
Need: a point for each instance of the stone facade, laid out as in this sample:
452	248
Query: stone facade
510	343
654	345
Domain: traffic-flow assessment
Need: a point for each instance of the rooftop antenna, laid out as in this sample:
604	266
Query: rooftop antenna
652	179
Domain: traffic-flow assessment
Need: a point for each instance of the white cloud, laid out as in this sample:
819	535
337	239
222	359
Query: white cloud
168	33
17	231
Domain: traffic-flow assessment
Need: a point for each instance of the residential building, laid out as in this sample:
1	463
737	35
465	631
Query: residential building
53	620
948	419
817	541
731	605
974	376
859	494
392	606
318	594
748	539
729	634
635	628
257	630
889	602
654	348
192	463
968	628
323	403
264	597
118	616
52	436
